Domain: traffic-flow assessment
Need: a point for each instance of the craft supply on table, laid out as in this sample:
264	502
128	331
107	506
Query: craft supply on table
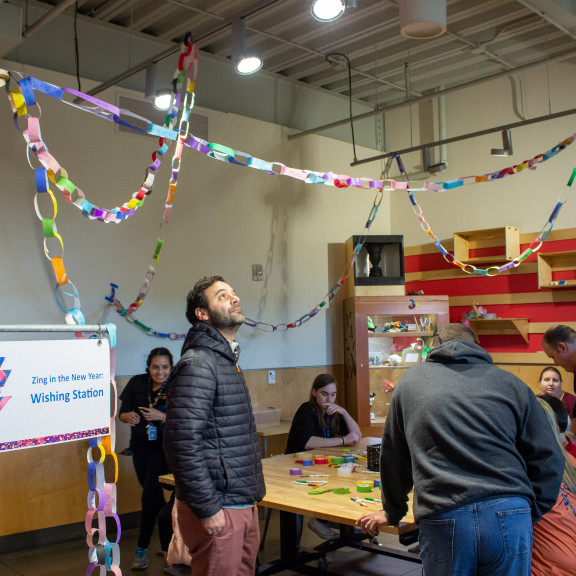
344	490
364	488
346	469
358	501
295	471
315	475
319	490
310	482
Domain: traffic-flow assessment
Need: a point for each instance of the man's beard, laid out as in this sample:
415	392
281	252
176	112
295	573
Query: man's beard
225	321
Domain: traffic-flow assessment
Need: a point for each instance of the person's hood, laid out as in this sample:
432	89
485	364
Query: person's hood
202	335
459	352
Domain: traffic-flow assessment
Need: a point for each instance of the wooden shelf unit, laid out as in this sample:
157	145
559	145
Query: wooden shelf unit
553	262
360	378
501	326
507	236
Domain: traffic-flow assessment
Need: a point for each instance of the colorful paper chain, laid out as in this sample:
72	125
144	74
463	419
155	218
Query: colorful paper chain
491	270
24	97
102	495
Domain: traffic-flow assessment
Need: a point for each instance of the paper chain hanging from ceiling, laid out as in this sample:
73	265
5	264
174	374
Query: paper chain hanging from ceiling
22	98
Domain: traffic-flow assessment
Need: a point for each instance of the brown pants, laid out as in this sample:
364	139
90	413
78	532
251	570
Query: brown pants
231	553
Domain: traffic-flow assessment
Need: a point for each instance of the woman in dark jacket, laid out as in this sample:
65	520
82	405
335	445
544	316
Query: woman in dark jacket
144	408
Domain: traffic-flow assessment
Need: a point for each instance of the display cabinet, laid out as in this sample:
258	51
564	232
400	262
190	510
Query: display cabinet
383	337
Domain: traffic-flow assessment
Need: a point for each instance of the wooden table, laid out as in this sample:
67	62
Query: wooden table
293	501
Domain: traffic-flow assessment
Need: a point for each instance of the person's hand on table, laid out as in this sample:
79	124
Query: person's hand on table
371	522
215	524
351	438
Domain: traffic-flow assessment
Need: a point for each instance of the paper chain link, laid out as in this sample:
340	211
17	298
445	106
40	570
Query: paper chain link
491	270
102	496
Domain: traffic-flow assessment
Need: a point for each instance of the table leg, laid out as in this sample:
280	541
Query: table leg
290	533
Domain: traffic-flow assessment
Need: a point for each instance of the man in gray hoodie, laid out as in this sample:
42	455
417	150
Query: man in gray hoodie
477	448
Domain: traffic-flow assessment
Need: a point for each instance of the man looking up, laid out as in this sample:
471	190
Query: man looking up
210	438
559	344
472	440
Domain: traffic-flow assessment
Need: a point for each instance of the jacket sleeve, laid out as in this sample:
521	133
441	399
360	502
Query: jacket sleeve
395	465
543	457
189	414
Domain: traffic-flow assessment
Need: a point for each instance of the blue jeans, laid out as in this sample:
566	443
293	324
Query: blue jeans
489	538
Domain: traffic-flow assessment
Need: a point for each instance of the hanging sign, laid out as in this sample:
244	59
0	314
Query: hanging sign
53	391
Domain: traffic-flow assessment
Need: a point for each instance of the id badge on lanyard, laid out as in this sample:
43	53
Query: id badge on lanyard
152	432
151	429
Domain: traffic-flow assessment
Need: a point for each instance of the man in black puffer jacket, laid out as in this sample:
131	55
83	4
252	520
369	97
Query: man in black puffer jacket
210	438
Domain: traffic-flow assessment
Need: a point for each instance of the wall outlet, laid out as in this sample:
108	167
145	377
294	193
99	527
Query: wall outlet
144	359
271	376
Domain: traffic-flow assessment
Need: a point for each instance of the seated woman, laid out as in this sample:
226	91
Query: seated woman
553	552
551	383
560	412
320	423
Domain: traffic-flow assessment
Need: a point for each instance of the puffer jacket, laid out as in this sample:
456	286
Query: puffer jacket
210	436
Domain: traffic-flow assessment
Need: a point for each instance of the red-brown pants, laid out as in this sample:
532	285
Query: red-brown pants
232	552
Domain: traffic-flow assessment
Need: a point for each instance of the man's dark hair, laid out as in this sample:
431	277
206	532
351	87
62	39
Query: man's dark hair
197	298
561	333
559	409
453	331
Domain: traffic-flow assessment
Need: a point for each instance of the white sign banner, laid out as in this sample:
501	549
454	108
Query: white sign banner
53	391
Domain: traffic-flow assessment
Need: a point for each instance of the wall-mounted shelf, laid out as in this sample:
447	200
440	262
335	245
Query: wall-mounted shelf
406	334
553	262
465	242
501	326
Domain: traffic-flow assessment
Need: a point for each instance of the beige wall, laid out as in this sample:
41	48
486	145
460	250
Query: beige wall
525	200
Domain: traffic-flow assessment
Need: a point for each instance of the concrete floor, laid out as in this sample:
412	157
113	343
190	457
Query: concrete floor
71	558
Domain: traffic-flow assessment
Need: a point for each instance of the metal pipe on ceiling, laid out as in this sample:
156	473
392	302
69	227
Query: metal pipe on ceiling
467	136
168	52
414	101
48	17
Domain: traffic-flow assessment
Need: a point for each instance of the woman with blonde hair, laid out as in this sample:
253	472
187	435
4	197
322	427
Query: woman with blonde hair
553	552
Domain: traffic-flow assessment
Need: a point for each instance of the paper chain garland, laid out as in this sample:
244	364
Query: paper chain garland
101	501
491	270
23	97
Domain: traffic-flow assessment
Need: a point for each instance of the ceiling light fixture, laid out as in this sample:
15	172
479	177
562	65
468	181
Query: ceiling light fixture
431	168
506	149
328	10
422	19
160	98
163	99
244	63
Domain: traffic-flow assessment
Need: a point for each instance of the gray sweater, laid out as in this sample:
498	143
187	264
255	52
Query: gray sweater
460	430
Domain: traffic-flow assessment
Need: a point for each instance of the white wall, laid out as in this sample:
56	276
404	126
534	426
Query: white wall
225	218
525	200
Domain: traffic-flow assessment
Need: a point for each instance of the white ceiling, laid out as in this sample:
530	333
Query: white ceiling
483	38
